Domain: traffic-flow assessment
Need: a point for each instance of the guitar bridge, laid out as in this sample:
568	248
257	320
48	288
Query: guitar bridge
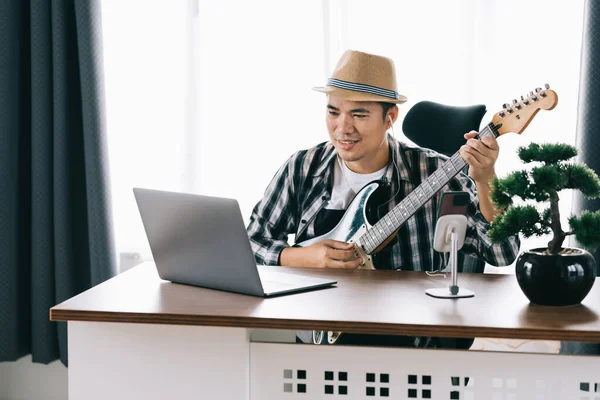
359	252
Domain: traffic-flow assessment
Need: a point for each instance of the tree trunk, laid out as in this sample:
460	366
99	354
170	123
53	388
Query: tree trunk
555	245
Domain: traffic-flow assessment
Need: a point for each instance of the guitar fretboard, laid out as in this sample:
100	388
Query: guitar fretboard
394	219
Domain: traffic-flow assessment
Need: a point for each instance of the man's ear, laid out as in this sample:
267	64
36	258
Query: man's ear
393	115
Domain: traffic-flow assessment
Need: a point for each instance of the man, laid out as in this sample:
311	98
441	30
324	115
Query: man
308	195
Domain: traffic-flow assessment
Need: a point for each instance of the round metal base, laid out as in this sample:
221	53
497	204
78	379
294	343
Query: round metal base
444	293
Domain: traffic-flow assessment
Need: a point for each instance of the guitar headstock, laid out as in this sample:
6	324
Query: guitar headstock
516	116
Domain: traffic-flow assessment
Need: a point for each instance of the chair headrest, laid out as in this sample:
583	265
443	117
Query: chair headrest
441	127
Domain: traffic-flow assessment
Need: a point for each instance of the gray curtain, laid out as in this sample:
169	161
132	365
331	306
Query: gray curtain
55	229
588	126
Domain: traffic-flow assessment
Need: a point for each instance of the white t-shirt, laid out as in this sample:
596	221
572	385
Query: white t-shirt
347	183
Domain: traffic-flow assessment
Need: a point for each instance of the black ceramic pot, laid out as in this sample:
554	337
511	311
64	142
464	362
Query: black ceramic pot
553	279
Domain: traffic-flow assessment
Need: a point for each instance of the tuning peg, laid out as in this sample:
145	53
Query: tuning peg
526	102
505	106
522	98
532	97
501	114
538	89
546	86
514	101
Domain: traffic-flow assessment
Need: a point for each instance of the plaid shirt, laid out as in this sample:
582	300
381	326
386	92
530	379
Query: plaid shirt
303	185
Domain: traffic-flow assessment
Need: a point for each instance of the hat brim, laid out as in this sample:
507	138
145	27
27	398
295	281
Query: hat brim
358	96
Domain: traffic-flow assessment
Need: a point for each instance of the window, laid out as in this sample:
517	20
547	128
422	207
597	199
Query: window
212	97
146	55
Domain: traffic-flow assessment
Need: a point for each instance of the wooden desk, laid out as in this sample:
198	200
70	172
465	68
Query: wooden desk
136	336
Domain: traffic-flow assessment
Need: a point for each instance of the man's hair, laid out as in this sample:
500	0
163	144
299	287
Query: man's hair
386	107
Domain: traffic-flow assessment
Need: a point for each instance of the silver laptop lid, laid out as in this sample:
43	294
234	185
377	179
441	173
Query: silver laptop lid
199	240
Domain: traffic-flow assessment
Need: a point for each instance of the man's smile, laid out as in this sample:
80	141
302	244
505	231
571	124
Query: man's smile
347	144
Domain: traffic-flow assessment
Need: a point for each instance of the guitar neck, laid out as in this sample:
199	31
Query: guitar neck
393	220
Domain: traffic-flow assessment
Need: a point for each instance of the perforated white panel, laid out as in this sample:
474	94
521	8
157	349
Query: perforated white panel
291	371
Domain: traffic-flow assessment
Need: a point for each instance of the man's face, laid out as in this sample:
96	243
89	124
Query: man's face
358	131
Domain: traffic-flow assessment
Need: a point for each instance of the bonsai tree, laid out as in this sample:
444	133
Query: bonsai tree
542	184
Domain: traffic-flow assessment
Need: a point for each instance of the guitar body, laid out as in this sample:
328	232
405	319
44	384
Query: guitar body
353	224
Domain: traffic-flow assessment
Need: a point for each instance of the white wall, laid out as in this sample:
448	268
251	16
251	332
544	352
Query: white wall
24	380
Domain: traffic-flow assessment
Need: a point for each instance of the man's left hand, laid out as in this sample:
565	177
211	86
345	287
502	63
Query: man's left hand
481	155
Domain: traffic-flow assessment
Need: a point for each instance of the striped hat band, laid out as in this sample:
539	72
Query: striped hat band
359	87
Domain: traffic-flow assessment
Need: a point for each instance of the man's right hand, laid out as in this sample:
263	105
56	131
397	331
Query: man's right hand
326	254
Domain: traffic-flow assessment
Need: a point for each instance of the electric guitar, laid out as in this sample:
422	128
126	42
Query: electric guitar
370	239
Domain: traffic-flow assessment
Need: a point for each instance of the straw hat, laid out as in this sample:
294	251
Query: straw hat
364	77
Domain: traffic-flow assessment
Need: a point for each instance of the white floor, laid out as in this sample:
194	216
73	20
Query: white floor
24	380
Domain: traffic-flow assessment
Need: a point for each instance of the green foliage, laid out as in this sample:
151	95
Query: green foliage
524	219
499	193
549	177
538	194
549	153
542	183
587	229
516	184
583	178
546	217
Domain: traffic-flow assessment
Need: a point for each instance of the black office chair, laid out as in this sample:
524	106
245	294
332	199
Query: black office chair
441	128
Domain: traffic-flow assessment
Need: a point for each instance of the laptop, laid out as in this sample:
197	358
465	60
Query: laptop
202	241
